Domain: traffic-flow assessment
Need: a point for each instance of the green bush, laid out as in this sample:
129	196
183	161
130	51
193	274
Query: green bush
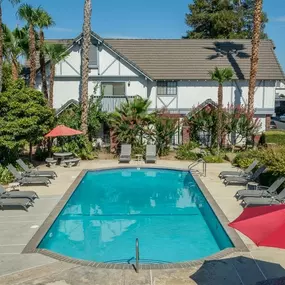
244	159
184	151
41	154
213	158
5	176
277	137
79	145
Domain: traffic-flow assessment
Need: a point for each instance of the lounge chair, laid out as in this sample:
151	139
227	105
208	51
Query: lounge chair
31	195
261	191
125	155
150	156
246	172
34	172
254	202
243	180
23	180
25	203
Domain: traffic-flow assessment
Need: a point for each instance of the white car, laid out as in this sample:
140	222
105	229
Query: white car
282	118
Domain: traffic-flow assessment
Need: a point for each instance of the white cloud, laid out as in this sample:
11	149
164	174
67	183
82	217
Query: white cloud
279	19
62	30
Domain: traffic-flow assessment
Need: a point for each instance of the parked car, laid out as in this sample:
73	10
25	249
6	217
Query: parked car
282	118
273	125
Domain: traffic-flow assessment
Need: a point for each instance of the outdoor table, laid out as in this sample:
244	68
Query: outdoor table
139	157
61	156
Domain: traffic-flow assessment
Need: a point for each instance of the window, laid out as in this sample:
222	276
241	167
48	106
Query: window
93	56
114	88
166	88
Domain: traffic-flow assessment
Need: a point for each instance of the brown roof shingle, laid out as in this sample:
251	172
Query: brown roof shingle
193	59
188	59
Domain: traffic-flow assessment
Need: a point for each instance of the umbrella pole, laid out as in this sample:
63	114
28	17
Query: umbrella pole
258	266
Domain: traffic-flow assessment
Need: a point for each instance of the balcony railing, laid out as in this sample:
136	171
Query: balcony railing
110	102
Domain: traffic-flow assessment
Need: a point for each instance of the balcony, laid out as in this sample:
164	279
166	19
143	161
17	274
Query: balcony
110	102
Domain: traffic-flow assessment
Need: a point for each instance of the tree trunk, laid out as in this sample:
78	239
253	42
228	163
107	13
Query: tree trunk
43	66
85	64
220	109
51	84
254	54
32	56
15	73
31	152
1	49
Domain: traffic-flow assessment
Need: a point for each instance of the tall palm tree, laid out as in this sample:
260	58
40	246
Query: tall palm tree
15	43
13	2
27	13
85	64
56	53
221	76
254	54
44	21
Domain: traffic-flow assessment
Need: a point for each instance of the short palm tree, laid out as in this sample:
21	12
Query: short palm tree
221	76
254	54
13	2
85	65
44	21
129	120
27	13
15	43
55	53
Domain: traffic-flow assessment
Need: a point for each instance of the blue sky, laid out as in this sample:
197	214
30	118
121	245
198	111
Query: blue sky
137	19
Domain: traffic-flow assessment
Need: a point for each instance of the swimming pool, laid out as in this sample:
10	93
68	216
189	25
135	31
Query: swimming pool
109	209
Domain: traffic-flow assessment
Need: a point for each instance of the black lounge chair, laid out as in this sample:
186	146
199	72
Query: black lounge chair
244	180
246	172
261	191
23	180
31	195
11	203
34	172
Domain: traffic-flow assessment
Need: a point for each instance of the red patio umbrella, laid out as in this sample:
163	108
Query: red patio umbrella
62	131
265	225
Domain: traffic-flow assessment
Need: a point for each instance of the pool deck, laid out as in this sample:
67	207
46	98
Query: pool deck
17	227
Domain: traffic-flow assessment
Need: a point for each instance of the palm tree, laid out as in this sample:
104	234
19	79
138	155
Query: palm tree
13	2
28	13
254	54
85	64
221	76
15	43
56	53
44	21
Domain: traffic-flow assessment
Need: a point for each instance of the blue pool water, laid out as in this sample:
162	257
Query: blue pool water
165	209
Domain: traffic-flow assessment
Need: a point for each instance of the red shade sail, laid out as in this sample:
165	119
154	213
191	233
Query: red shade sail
62	131
265	226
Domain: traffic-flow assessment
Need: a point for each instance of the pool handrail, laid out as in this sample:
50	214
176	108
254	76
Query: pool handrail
197	162
137	255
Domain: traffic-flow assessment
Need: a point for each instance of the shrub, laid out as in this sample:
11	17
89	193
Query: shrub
5	176
277	137
184	151
213	158
79	145
244	159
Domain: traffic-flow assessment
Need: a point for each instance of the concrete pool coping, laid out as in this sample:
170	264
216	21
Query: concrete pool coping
32	246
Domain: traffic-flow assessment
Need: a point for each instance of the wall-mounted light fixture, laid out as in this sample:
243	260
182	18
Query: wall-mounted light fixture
129	83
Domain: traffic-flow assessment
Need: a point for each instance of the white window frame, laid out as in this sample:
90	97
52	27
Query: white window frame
168	88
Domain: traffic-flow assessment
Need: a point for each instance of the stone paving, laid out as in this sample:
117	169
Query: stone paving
17	228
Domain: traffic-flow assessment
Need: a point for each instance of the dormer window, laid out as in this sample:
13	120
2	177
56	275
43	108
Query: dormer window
93	57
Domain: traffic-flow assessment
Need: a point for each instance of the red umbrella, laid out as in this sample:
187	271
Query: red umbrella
62	131
265	225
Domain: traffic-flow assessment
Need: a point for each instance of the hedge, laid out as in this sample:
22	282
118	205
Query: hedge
276	137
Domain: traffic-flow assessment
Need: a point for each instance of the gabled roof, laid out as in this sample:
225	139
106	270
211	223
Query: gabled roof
190	59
